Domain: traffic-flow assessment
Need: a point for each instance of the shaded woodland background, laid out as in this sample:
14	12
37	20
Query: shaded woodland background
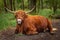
47	8
28	4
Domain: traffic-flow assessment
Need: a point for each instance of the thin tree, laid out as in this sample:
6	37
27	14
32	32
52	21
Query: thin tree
38	5
14	5
5	5
22	4
54	6
11	4
41	1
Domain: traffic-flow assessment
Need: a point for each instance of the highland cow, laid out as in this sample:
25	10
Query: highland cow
28	24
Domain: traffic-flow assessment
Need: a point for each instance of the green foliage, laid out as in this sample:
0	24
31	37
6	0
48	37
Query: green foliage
45	12
18	1
6	20
58	12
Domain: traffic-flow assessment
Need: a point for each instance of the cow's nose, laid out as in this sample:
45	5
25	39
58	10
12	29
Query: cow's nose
19	21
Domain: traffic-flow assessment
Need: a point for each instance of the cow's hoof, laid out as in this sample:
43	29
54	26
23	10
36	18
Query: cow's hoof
16	32
36	32
52	33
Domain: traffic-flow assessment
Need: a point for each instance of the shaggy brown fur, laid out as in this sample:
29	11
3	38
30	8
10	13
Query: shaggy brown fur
32	24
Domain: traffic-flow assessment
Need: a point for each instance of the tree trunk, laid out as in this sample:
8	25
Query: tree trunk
41	4
22	4
38	5
54	6
35	4
14	5
11	5
28	4
5	4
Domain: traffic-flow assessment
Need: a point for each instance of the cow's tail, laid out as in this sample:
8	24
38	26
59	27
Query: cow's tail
50	28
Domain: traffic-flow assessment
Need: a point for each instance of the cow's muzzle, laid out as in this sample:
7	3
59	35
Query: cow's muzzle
19	21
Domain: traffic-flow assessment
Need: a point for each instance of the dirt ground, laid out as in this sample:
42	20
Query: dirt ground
9	34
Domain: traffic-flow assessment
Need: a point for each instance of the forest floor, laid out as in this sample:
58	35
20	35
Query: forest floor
8	34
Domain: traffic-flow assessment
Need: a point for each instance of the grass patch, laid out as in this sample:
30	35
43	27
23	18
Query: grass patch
6	20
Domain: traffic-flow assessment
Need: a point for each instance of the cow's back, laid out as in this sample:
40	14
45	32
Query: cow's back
39	23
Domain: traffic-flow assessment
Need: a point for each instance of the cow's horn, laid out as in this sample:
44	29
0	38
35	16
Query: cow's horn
30	10
10	10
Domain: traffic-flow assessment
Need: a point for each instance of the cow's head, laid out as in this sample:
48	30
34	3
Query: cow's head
20	15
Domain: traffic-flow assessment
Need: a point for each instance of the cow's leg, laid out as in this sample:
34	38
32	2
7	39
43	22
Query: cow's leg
17	29
21	29
50	28
31	31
